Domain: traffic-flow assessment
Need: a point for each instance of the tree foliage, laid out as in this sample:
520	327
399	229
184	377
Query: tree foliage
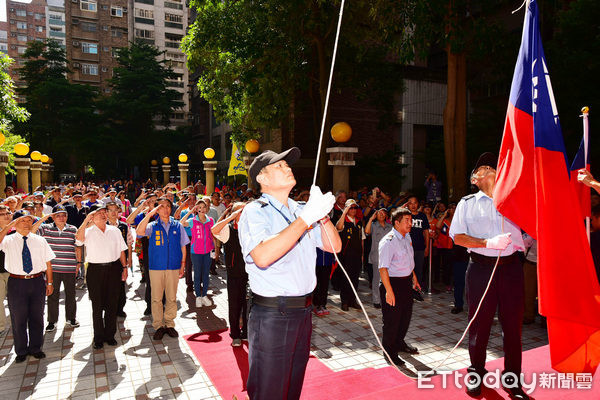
9	109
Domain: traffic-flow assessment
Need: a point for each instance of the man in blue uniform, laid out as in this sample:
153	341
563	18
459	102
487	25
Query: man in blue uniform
478	226
279	238
398	279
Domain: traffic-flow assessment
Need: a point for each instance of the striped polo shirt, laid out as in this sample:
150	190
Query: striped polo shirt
62	244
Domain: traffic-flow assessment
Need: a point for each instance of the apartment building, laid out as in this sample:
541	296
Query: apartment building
163	23
96	29
4	28
55	21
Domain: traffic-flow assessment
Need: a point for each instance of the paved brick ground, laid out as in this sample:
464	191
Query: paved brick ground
140	368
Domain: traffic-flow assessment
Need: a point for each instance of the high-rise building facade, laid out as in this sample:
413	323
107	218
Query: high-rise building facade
95	32
163	23
55	21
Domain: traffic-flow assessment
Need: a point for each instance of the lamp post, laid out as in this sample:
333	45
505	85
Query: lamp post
341	158
22	167
45	169
210	167
154	170
3	165
183	170
166	169
36	169
252	146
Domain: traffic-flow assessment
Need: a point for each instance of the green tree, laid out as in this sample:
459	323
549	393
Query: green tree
140	101
64	117
256	57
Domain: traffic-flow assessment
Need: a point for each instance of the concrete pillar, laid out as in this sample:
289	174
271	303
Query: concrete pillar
247	162
341	159
166	173
22	167
36	174
154	172
183	174
44	174
3	165
210	167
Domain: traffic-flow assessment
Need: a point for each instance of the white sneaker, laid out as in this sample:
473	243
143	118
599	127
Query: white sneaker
236	342
199	302
206	301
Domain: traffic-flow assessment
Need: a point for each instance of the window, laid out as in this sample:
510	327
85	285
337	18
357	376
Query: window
4	47
3	34
104	69
142	33
21	25
117	32
140	12
173	18
175	64
89	69
104	7
21	49
39	16
39	28
105	28
106	90
89	48
115	52
105	49
175	56
21	13
116	11
89	5
174	6
22	38
88	27
57	17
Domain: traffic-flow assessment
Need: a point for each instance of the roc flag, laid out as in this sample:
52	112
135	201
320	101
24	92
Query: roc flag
582	191
236	164
533	190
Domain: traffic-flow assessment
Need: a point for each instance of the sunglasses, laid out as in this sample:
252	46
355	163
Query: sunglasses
354	208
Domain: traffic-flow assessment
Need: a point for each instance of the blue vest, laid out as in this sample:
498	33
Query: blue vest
164	251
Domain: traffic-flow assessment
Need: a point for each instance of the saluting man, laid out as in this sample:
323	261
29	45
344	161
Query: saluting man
478	226
279	238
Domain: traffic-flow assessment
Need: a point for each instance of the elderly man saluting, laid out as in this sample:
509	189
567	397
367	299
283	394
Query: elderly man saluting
28	256
279	238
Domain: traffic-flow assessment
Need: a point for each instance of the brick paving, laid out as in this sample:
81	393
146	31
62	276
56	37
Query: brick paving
141	368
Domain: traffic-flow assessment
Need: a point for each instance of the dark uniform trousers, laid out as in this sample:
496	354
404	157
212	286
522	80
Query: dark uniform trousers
68	280
104	285
279	347
352	262
238	306
26	300
396	319
506	294
320	293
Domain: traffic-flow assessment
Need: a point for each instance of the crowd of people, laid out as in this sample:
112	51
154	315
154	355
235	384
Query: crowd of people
84	235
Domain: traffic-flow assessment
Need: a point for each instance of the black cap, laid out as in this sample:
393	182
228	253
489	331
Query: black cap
487	158
23	213
59	208
270	157
97	206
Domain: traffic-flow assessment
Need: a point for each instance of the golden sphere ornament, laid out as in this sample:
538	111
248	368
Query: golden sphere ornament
341	132
252	146
21	149
209	153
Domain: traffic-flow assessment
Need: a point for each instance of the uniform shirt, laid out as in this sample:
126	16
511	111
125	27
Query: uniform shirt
294	273
62	242
396	254
103	247
40	251
476	216
377	233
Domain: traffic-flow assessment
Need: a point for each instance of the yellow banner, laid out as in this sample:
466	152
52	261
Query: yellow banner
236	165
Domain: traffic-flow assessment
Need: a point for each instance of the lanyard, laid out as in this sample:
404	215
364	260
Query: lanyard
280	213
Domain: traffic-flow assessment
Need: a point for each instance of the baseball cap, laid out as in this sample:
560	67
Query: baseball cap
487	159
270	157
23	213
351	202
97	206
59	208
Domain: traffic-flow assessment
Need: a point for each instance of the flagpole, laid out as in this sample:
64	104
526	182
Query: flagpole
586	137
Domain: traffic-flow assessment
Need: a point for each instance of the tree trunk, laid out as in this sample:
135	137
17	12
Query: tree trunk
455	125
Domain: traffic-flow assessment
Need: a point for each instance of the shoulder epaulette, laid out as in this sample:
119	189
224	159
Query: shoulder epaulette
262	203
467	197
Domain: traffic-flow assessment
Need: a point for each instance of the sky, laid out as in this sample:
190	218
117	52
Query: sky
3	8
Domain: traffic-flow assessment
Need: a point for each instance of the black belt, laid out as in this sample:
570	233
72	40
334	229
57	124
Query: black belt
491	261
283	301
102	264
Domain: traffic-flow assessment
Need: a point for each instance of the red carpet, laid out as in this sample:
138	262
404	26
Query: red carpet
227	368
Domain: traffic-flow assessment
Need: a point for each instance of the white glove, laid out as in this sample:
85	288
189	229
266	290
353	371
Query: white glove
499	242
317	206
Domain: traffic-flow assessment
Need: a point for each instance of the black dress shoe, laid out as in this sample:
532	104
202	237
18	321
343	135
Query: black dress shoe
355	305
111	342
377	305
456	310
122	314
345	307
473	386
98	345
21	358
39	355
409	349
160	332
516	393
147	311
397	361
172	332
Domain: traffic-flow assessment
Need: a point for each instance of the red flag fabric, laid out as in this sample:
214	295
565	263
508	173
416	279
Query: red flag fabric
533	190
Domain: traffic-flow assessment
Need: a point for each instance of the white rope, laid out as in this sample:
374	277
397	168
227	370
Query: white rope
335	46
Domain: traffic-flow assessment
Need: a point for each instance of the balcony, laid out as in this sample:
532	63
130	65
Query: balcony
173	25
151	2
57	34
144	40
173	45
52	21
144	20
174	6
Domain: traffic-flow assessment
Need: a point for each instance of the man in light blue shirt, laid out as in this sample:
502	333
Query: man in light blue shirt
491	239
398	279
279	238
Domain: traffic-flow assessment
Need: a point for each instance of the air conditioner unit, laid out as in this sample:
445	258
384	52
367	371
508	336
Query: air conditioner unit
74	1
75	21
124	9
12	10
76	65
75	43
13	47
